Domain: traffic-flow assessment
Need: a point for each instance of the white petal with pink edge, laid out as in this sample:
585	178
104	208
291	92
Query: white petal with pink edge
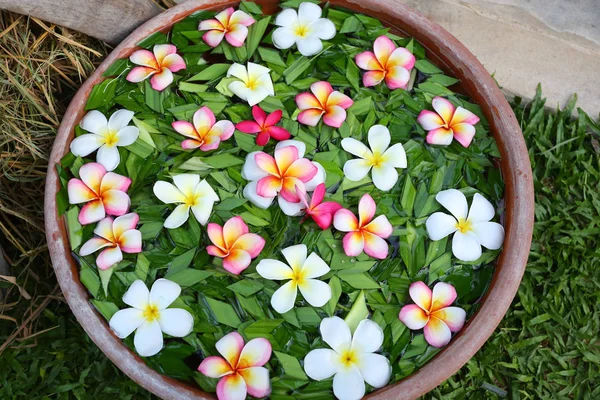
421	295
413	317
255	353
257	381
443	295
454	317
230	346
109	257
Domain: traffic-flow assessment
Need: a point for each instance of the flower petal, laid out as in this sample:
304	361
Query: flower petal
348	384
114	181
284	298
463	133
314	267
94	121
379	139
295	256
454	317
163	50
336	333
143	57
269	165
186	183
466	246
444	295
231	387
104	229
278	132
124	322
137	295
236	35
437	332
268	186
274	270
178	217
310	117
373	78
462	115
230	346
131	241
233	229
315	292
239	71
186	129
396	156
138	74
176	322
204	119
224	16
209	24
401	57
240	17
109	257
120	119
213	37
287	17
440	225
421	295
251	194
384	176
115	202
380	226
344	220
367	61
430	120
168	193
481	210
454	201
148	339
320	364
91	212
489	234
308	12
237	261
216	251
368	337
124	223
366	209
283	38
257	380
306	101
164	292
317	179
444	108
109	157
174	62
440	137
335	116
190	144
397	78
383	47
83	145
302	169
375	369
321	90
255	353
251	171
413	317
79	192
250	242
161	80
339	99
93	245
356	148
214	367
203	210
289	208
375	246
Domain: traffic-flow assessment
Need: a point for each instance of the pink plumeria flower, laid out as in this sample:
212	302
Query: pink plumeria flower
386	62
105	136
325	102
364	233
206	132
158	65
278	176
149	316
229	24
240	370
102	192
264	126
115	236
352	359
234	244
448	122
431	312
321	212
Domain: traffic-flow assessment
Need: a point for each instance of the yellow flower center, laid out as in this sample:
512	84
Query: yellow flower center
464	226
298	277
111	138
151	312
191	200
347	358
301	30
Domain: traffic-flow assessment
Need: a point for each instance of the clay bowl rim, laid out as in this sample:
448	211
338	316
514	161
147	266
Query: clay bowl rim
452	56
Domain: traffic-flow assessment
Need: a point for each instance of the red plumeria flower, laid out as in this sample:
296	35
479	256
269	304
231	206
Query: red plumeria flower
321	212
158	65
386	62
448	122
323	101
229	24
264	126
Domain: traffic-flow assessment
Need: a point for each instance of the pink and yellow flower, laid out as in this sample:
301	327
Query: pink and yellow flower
234	244
240	370
264	126
159	64
386	62
364	233
321	212
448	122
205	133
229	24
325	102
102	192
115	236
432	312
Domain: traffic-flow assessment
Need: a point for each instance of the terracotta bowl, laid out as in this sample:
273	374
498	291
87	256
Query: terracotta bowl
451	56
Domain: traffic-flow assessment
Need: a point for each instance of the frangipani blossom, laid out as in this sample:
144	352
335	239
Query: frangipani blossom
380	157
241	367
264	126
472	230
448	122
254	83
431	312
321	212
304	28
205	133
105	136
149	316
158	65
352	360
386	62
115	236
234	244
191	193
364	233
103	192
301	273
323	101
278	176
229	24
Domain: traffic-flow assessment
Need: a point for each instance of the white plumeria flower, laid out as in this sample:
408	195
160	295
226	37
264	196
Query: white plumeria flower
254	83
473	230
304	28
353	360
192	193
149	316
105	136
301	273
379	157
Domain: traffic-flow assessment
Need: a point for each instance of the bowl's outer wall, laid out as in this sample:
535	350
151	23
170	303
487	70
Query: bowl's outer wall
453	57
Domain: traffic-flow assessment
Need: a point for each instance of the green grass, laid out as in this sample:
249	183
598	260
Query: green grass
547	346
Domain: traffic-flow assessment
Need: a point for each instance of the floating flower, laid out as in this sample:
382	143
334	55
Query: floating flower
206	133
158	65
254	83
304	28
352	361
387	63
470	231
264	126
234	244
278	176
380	158
103	192
149	316
448	122
229	24
115	237
321	212
192	193
323	101
105	136
365	233
241	368
301	273
431	312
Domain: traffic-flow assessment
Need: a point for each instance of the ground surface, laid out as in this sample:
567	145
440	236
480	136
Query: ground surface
548	345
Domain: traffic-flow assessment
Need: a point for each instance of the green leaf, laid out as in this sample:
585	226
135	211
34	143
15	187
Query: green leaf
256	32
358	312
105	275
102	94
189	277
427	67
336	291
224	313
106	308
291	366
246	287
74	228
359	281
153	98
181	262
213	71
